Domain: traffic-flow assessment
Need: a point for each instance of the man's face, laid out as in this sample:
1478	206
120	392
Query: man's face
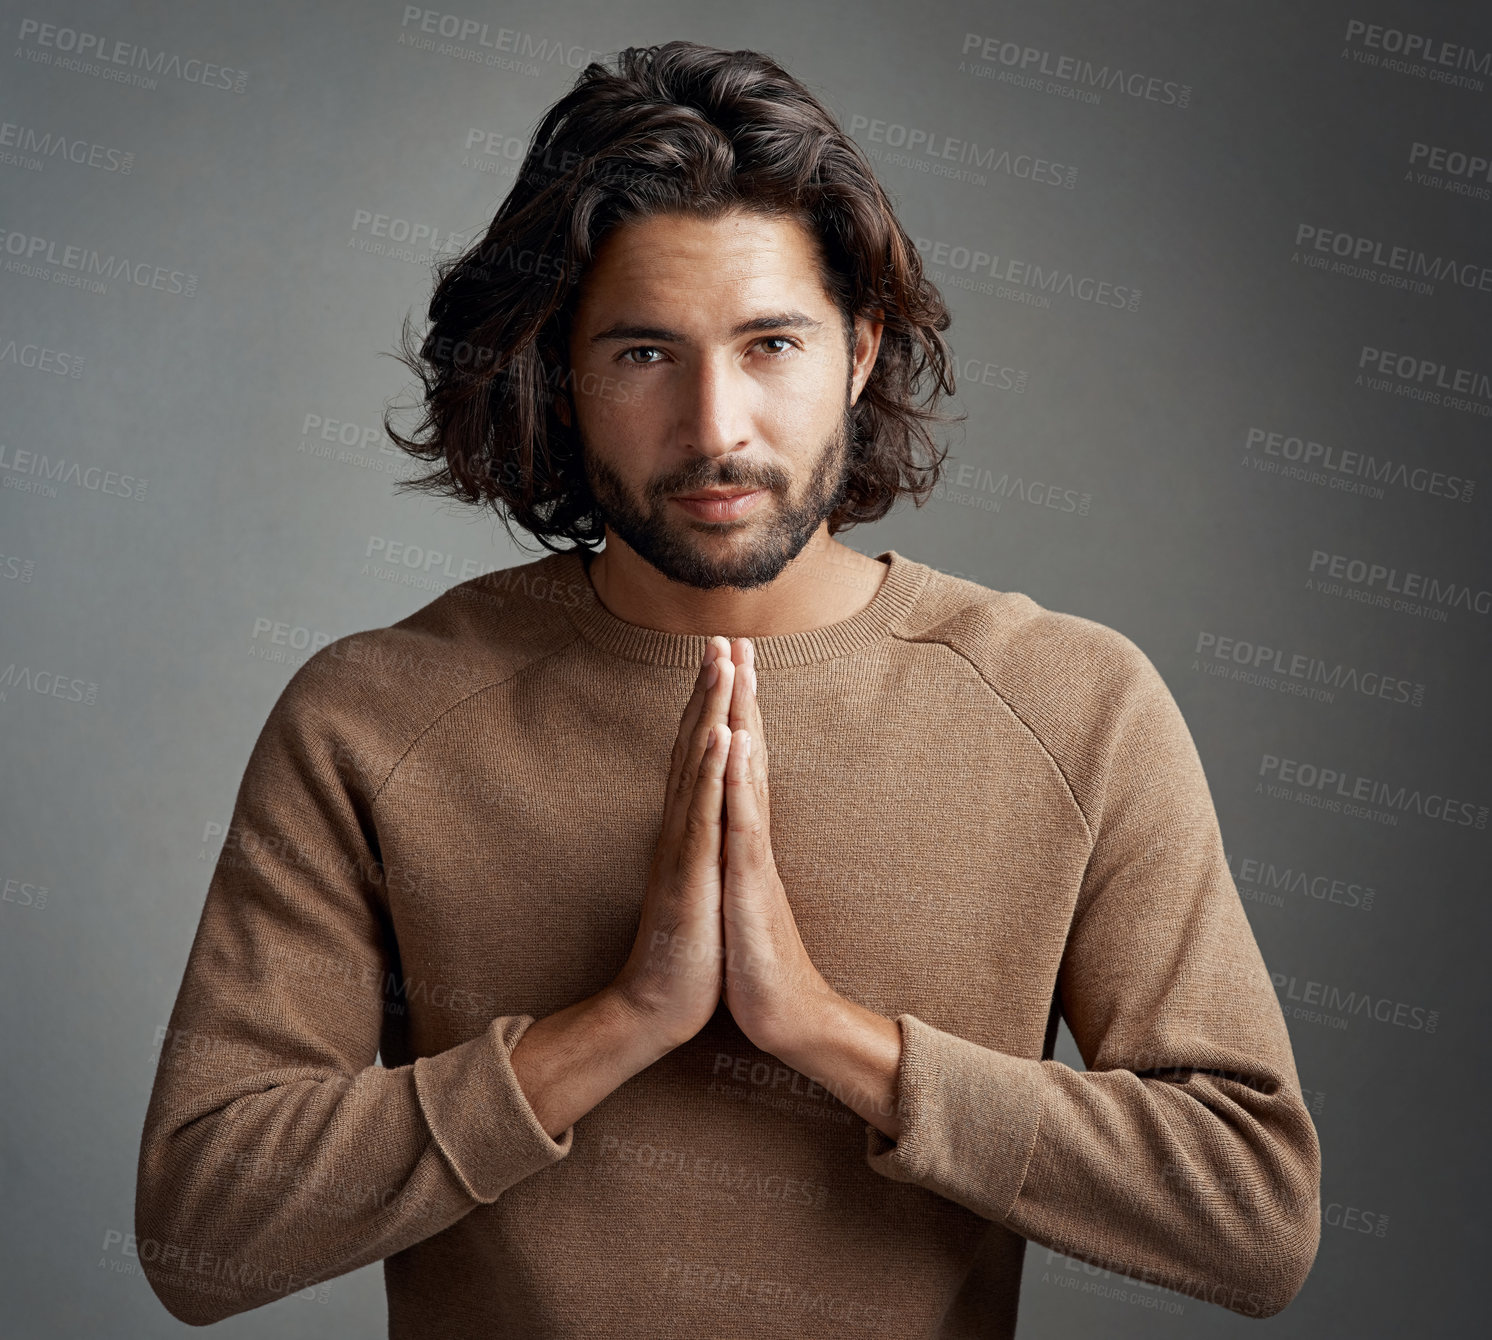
706	355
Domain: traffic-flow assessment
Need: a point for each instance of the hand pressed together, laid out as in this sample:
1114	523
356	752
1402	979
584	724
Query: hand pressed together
716	921
715	917
771	985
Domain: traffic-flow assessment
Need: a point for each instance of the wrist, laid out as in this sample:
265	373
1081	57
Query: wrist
855	1053
818	1022
632	1026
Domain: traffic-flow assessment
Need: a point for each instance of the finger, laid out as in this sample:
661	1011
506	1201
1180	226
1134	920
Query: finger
746	715
688	740
699	844
690	717
740	654
712	711
746	838
716	706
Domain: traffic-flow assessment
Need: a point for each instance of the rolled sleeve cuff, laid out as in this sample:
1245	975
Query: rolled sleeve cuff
969	1120
479	1115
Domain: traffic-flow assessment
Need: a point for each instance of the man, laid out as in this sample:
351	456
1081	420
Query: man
712	900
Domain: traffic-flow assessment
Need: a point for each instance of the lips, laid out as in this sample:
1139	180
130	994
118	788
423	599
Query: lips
720	504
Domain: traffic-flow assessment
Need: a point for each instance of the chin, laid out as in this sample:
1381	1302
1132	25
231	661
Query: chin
750	565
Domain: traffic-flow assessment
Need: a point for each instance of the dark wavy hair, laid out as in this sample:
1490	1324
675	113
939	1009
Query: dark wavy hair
676	128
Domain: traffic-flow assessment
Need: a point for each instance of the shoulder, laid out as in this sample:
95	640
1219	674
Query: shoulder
1077	684
361	701
1028	653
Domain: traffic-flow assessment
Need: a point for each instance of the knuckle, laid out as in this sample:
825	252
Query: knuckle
753	833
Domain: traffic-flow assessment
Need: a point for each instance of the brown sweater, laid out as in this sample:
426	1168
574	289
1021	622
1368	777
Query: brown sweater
981	809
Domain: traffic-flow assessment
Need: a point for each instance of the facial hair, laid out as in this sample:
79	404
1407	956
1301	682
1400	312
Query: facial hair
667	537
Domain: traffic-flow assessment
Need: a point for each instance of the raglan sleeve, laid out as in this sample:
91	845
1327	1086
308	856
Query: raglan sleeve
1184	1155
276	1153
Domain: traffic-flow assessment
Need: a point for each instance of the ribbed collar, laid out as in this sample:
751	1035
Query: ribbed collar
898	592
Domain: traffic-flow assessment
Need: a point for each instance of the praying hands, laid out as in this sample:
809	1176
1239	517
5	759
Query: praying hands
716	920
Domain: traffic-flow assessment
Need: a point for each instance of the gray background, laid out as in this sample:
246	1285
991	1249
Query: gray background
1105	469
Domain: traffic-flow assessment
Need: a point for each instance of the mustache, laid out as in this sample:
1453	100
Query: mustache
726	479
732	475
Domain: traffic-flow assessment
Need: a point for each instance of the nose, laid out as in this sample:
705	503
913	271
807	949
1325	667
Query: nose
715	417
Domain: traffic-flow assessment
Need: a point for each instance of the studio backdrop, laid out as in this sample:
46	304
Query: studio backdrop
1221	283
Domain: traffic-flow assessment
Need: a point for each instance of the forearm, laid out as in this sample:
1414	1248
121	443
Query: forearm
570	1060
274	1169
855	1054
1205	1183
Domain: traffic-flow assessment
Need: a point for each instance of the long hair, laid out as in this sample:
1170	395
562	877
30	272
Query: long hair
677	128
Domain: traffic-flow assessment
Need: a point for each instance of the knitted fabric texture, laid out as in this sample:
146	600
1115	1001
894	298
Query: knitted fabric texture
982	811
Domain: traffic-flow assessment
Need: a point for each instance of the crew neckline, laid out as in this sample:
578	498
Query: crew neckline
904	581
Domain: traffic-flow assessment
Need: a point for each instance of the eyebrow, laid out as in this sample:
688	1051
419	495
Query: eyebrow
773	321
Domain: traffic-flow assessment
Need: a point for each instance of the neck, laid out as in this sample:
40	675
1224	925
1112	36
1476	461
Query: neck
824	584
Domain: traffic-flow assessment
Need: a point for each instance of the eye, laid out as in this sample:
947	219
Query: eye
640	348
778	339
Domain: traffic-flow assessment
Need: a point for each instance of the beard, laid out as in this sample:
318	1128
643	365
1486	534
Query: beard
779	527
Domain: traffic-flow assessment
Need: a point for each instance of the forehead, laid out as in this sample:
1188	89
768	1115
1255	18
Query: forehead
713	268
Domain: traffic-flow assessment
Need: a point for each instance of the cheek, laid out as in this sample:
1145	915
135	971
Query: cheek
605	396
798	413
627	398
